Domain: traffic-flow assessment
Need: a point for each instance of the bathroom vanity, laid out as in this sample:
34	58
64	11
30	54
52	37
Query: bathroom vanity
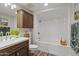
15	47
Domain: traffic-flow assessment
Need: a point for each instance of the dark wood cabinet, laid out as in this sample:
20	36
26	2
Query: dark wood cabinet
24	19
22	52
30	21
21	49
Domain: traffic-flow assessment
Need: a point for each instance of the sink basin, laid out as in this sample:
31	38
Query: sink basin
9	42
13	39
9	38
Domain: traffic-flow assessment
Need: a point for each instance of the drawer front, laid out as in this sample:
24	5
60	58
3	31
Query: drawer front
13	49
22	52
13	54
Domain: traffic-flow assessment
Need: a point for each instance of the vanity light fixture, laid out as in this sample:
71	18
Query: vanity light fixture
6	4
45	4
15	12
13	6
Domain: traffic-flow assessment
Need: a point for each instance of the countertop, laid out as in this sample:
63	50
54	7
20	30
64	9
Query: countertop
11	42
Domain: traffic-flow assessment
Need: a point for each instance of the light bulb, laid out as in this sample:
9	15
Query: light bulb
46	4
14	6
6	4
15	12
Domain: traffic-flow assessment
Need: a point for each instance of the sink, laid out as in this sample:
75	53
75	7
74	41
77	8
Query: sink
12	39
9	42
8	38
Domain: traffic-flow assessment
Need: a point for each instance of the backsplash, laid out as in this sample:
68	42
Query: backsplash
4	30
75	37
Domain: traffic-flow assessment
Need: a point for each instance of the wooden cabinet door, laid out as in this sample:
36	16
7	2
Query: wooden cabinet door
13	54
30	21
25	20
19	17
22	52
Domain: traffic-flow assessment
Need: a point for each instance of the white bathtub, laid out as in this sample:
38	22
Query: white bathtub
55	49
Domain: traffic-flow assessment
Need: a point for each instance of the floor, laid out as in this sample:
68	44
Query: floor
40	53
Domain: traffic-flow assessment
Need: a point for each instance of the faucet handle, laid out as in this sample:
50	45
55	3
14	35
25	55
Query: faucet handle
7	33
1	33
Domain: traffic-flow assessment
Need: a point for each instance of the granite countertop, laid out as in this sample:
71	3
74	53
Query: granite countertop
8	43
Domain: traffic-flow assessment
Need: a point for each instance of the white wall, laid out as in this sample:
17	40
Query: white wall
54	25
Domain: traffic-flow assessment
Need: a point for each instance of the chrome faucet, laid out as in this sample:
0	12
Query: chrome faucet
1	34
7	34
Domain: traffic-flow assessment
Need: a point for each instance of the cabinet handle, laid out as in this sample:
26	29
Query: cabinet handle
17	54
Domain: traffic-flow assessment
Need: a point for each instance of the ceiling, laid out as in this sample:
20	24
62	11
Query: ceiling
40	6
33	7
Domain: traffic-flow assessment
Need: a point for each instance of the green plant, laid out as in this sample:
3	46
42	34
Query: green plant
15	31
